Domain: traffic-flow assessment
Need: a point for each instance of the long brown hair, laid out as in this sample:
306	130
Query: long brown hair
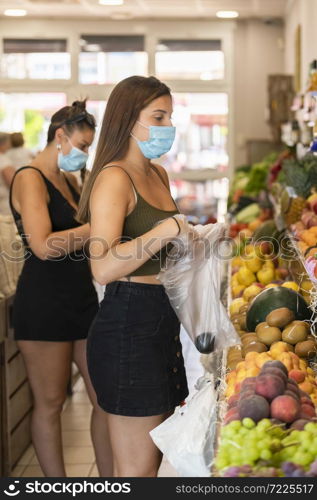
125	103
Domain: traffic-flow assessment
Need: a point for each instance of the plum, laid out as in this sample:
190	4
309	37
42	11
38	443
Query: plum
275	364
275	371
205	343
248	383
292	394
299	424
255	407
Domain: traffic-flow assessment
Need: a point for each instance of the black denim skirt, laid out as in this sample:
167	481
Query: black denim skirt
134	352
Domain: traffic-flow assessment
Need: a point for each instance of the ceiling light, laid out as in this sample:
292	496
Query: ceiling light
15	12
111	2
227	14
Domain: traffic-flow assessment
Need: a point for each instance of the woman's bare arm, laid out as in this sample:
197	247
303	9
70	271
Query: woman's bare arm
111	259
31	194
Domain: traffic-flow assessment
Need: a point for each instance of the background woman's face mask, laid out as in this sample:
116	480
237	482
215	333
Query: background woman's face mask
160	141
74	160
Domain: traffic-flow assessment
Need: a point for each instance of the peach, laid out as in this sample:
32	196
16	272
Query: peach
285	408
277	348
231	375
240	366
241	375
309	370
269	386
251	356
237	387
306	387
307	411
233	401
314	399
229	392
306	400
231	415
295	360
252	372
297	375
262	359
303	365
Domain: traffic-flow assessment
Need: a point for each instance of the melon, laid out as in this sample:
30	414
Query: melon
273	298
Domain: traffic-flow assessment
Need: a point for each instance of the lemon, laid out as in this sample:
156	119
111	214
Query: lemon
292	285
245	276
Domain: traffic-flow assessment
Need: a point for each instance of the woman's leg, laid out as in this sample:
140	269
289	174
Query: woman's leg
99	425
134	452
48	368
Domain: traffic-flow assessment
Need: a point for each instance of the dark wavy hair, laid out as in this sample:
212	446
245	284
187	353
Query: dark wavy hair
71	118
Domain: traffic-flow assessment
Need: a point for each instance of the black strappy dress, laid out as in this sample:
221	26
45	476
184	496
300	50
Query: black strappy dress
55	299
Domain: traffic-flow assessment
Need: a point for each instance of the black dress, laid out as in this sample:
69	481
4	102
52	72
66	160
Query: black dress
55	299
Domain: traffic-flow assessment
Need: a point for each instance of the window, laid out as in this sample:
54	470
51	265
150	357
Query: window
201	132
199	153
109	59
35	59
189	60
30	113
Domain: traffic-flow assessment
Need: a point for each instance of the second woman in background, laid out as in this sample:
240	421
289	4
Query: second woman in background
55	301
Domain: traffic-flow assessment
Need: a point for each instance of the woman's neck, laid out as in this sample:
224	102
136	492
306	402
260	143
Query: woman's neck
46	160
135	158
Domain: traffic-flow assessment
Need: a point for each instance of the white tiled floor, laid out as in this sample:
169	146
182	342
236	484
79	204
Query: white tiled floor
78	450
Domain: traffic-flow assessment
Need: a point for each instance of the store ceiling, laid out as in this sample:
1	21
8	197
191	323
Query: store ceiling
147	8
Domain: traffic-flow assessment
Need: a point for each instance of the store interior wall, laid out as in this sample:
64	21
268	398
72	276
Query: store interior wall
303	13
259	53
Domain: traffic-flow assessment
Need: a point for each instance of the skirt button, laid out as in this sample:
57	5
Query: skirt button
178	354
176	338
175	369
178	386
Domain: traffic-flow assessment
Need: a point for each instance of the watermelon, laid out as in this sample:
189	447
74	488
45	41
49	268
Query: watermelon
274	298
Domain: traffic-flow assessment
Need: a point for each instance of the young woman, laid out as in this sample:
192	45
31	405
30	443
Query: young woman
55	300
134	353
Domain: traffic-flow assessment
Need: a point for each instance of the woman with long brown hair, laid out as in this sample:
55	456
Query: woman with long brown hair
134	352
55	300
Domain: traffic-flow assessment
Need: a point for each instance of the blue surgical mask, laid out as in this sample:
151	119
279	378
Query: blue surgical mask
160	141
74	160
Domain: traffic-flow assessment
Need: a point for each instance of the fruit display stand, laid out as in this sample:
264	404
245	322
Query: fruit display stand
268	423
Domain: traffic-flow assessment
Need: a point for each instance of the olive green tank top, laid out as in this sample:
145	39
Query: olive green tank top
142	218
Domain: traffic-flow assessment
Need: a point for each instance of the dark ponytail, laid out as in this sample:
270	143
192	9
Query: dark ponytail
71	118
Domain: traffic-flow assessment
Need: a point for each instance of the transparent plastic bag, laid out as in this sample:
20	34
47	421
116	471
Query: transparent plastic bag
187	437
192	279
